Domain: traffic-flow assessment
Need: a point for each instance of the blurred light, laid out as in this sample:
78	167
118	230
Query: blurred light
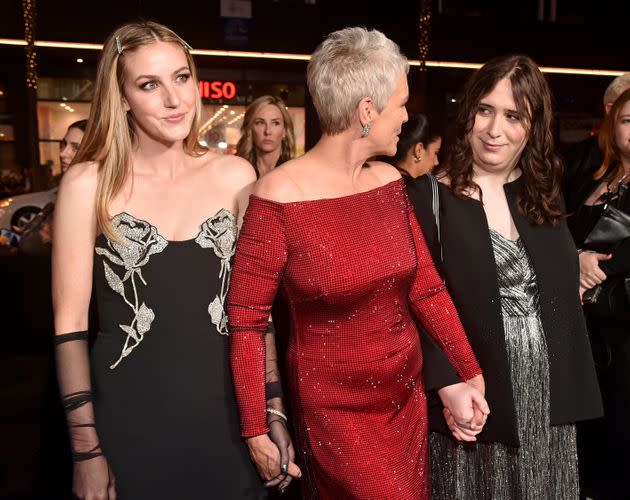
222	145
306	57
1	92
453	100
232	112
79	60
63	105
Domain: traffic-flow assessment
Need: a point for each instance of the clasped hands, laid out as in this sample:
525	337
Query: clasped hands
465	408
274	456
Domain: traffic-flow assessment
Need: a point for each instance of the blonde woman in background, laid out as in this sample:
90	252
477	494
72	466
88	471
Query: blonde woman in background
152	217
268	138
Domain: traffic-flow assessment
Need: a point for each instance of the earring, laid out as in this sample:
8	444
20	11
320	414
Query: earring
366	129
417	159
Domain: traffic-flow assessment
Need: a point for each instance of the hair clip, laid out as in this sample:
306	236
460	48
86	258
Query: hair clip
184	42
118	45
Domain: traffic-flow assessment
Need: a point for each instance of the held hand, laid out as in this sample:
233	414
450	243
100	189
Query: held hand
279	434
590	273
266	457
93	480
465	408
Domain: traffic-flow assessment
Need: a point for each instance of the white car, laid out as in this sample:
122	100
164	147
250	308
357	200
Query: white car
17	211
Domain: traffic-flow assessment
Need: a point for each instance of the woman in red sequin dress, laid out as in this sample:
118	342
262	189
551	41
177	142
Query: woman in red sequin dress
338	234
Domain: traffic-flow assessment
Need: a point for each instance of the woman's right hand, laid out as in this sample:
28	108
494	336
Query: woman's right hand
590	272
465	408
266	457
93	479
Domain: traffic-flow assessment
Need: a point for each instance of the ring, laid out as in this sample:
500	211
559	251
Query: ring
284	468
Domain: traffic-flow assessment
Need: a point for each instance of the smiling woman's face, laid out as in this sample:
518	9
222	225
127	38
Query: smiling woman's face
159	91
499	133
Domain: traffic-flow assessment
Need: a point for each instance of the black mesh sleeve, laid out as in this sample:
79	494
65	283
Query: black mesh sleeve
73	373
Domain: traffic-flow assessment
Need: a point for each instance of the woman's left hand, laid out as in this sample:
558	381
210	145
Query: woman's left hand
465	408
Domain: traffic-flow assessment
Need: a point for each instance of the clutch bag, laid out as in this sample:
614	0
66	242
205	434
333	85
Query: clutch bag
612	227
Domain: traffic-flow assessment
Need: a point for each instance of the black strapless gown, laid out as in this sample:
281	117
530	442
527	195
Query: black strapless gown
164	403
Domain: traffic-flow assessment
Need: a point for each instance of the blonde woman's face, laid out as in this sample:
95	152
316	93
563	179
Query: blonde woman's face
268	129
159	92
622	131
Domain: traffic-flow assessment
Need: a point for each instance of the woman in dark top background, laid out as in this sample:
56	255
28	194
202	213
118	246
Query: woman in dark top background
511	267
419	144
604	443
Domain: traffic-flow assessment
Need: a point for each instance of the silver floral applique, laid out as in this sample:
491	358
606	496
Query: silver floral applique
219	233
142	241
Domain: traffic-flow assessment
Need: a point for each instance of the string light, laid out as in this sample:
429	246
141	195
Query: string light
28	9
305	57
425	31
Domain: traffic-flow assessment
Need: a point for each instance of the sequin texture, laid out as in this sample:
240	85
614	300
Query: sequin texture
353	268
545	464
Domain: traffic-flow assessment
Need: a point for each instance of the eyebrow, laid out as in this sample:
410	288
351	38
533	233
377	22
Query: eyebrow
155	77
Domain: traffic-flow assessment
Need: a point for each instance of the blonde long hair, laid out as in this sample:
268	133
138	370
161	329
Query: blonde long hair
110	133
246	148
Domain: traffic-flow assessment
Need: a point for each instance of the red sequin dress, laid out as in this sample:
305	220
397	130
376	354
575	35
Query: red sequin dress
352	269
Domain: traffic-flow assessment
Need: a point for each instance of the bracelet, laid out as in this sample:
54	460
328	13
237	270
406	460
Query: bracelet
278	413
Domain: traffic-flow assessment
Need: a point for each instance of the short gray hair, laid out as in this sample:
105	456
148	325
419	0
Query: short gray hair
616	88
349	65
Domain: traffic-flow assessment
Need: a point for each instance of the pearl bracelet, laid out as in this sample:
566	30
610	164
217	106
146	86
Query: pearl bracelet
273	411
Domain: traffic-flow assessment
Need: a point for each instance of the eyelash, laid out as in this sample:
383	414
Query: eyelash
183	77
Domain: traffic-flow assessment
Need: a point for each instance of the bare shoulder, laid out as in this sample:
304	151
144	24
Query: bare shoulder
384	172
78	184
279	184
233	168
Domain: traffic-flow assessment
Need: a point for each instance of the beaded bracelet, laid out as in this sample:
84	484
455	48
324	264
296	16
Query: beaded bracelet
273	411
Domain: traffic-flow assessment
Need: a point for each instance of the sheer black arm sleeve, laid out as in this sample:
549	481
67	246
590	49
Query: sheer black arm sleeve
73	373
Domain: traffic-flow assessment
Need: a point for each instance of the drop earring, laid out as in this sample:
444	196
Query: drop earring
366	129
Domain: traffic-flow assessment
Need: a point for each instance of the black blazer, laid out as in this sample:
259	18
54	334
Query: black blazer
469	270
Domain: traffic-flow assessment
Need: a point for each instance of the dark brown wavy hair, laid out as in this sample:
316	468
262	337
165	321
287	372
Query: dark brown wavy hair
541	169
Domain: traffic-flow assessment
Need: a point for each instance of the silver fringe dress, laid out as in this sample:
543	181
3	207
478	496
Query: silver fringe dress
545	465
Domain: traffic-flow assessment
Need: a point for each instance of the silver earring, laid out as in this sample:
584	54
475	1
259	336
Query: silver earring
417	159
366	129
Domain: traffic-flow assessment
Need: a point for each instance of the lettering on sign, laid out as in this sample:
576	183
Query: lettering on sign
217	89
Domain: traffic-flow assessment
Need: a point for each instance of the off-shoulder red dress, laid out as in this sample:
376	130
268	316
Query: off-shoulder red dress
353	268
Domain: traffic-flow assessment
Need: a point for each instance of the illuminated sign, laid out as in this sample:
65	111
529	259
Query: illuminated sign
217	90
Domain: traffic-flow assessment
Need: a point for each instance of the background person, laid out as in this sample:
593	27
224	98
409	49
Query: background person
267	135
604	443
583	159
418	148
36	237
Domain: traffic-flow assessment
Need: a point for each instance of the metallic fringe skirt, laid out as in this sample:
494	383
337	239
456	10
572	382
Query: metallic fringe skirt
543	467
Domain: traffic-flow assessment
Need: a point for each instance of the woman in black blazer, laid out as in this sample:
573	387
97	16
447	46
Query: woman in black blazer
511	267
